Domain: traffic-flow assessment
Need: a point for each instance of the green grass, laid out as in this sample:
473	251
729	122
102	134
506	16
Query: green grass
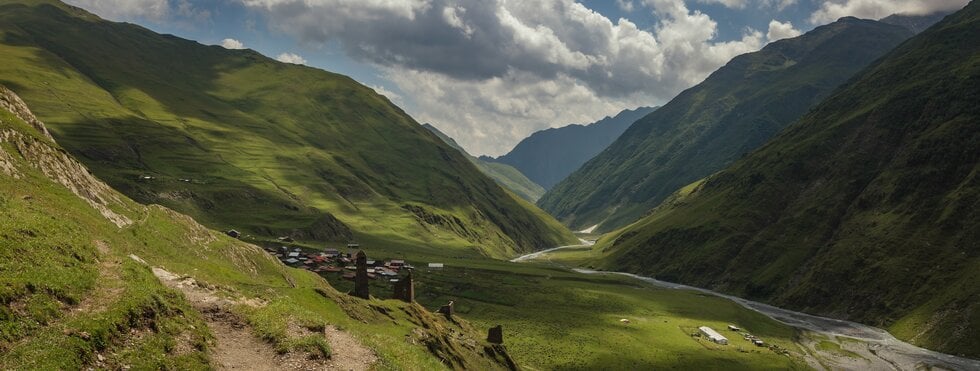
269	148
71	293
557	319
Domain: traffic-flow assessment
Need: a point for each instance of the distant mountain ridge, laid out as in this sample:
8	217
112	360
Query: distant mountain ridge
915	23
867	208
735	110
548	156
505	175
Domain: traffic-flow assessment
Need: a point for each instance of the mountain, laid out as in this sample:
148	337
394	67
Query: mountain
549	155
865	209
92	280
238	140
505	175
915	23
735	110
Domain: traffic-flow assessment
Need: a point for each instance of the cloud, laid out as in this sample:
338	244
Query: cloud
182	13
290	58
779	30
394	97
125	9
831	10
232	44
779	5
528	53
625	5
733	4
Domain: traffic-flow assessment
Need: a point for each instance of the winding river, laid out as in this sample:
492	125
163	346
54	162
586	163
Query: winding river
878	348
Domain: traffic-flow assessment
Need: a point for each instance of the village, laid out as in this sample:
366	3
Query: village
332	260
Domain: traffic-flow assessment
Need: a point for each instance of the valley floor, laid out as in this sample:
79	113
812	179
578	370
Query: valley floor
555	318
829	343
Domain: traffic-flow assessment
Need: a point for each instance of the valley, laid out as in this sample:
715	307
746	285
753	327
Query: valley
178	203
868	347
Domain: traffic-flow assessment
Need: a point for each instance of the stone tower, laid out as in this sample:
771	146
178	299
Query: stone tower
405	289
496	335
361	277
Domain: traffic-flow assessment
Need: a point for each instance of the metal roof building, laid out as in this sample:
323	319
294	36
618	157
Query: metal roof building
713	335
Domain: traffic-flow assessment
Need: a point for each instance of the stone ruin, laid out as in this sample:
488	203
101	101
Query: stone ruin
447	309
496	335
405	289
361	277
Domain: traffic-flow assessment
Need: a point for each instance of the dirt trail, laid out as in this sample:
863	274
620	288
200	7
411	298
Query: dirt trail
109	286
237	348
349	354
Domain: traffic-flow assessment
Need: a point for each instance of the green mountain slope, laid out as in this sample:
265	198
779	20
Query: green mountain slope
549	155
238	140
78	291
735	110
505	175
865	209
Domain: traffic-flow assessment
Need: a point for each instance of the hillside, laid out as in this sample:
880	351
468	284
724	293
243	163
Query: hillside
549	155
238	140
91	279
735	110
505	175
865	209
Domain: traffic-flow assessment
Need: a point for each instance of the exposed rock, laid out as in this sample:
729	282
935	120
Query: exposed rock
55	163
11	102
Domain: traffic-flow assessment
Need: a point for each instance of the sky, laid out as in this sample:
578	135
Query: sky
491	72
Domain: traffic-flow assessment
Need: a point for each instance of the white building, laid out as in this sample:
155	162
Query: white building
713	335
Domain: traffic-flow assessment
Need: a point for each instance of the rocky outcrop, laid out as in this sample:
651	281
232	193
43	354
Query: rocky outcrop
12	103
42	153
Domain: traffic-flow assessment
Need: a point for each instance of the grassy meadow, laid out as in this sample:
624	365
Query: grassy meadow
554	318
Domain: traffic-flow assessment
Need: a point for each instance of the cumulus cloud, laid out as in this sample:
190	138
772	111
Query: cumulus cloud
779	30
232	44
831	10
514	66
125	9
290	58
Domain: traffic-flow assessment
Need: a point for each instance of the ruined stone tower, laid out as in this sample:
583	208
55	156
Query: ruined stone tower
405	289
496	335
361	277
